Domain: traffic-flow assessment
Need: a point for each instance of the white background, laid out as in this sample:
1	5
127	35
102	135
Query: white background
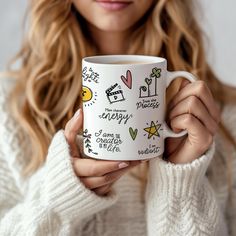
218	20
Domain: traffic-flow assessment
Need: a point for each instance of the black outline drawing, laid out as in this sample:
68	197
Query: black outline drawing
151	133
87	142
114	96
90	75
156	73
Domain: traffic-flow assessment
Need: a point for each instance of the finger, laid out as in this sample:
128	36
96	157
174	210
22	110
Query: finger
198	141
103	190
171	144
184	82
71	130
199	89
92	167
95	182
193	105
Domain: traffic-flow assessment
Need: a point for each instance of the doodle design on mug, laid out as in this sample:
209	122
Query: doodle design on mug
120	116
156	73
108	140
88	97
114	94
152	130
149	90
90	75
87	142
133	133
128	79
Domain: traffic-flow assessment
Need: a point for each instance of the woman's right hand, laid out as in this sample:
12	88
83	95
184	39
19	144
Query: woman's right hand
97	175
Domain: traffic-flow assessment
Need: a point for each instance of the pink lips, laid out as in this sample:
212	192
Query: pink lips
113	5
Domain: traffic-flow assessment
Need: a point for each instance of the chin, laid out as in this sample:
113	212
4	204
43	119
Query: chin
116	26
109	28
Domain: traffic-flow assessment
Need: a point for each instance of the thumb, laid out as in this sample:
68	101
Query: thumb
77	121
72	128
184	82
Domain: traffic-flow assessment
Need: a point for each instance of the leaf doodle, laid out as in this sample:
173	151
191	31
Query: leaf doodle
87	141
156	73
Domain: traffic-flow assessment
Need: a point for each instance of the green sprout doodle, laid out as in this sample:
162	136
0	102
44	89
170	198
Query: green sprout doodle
148	82
156	73
87	142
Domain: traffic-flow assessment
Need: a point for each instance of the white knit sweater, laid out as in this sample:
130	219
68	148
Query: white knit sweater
184	199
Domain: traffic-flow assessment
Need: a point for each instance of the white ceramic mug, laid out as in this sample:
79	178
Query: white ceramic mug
124	106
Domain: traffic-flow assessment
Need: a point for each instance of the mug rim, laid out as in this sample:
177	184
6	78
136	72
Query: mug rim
108	59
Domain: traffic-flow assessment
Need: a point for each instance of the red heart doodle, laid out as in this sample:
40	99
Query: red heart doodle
128	79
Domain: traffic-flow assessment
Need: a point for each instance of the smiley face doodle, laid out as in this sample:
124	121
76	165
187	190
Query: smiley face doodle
88	96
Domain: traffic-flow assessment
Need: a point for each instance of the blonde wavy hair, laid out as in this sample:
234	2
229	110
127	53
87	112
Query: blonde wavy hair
49	80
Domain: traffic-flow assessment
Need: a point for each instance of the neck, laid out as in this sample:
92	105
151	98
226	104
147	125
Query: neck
110	42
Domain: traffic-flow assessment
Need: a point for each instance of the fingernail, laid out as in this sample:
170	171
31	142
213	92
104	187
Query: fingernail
123	165
77	114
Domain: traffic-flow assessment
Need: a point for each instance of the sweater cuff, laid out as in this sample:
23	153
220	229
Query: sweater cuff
65	193
179	179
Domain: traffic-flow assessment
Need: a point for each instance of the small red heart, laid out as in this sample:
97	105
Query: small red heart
128	79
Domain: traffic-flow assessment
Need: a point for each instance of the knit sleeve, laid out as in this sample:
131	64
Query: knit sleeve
180	200
52	199
229	118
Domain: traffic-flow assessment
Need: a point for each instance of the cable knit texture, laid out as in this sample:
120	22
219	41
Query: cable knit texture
184	199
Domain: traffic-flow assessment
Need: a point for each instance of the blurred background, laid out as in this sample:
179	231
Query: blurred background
218	19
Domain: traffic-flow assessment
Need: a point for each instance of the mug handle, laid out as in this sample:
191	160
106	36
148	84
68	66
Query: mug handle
170	76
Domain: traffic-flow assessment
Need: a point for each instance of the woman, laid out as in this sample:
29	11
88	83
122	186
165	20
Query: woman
48	189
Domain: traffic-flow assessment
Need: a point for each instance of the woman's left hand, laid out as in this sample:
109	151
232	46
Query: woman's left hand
193	109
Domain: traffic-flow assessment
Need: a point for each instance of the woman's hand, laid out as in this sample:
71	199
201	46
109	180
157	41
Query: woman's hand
97	175
193	109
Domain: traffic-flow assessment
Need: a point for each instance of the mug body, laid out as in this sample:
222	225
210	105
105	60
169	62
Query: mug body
124	106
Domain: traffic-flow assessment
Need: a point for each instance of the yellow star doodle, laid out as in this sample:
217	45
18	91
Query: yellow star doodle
153	130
